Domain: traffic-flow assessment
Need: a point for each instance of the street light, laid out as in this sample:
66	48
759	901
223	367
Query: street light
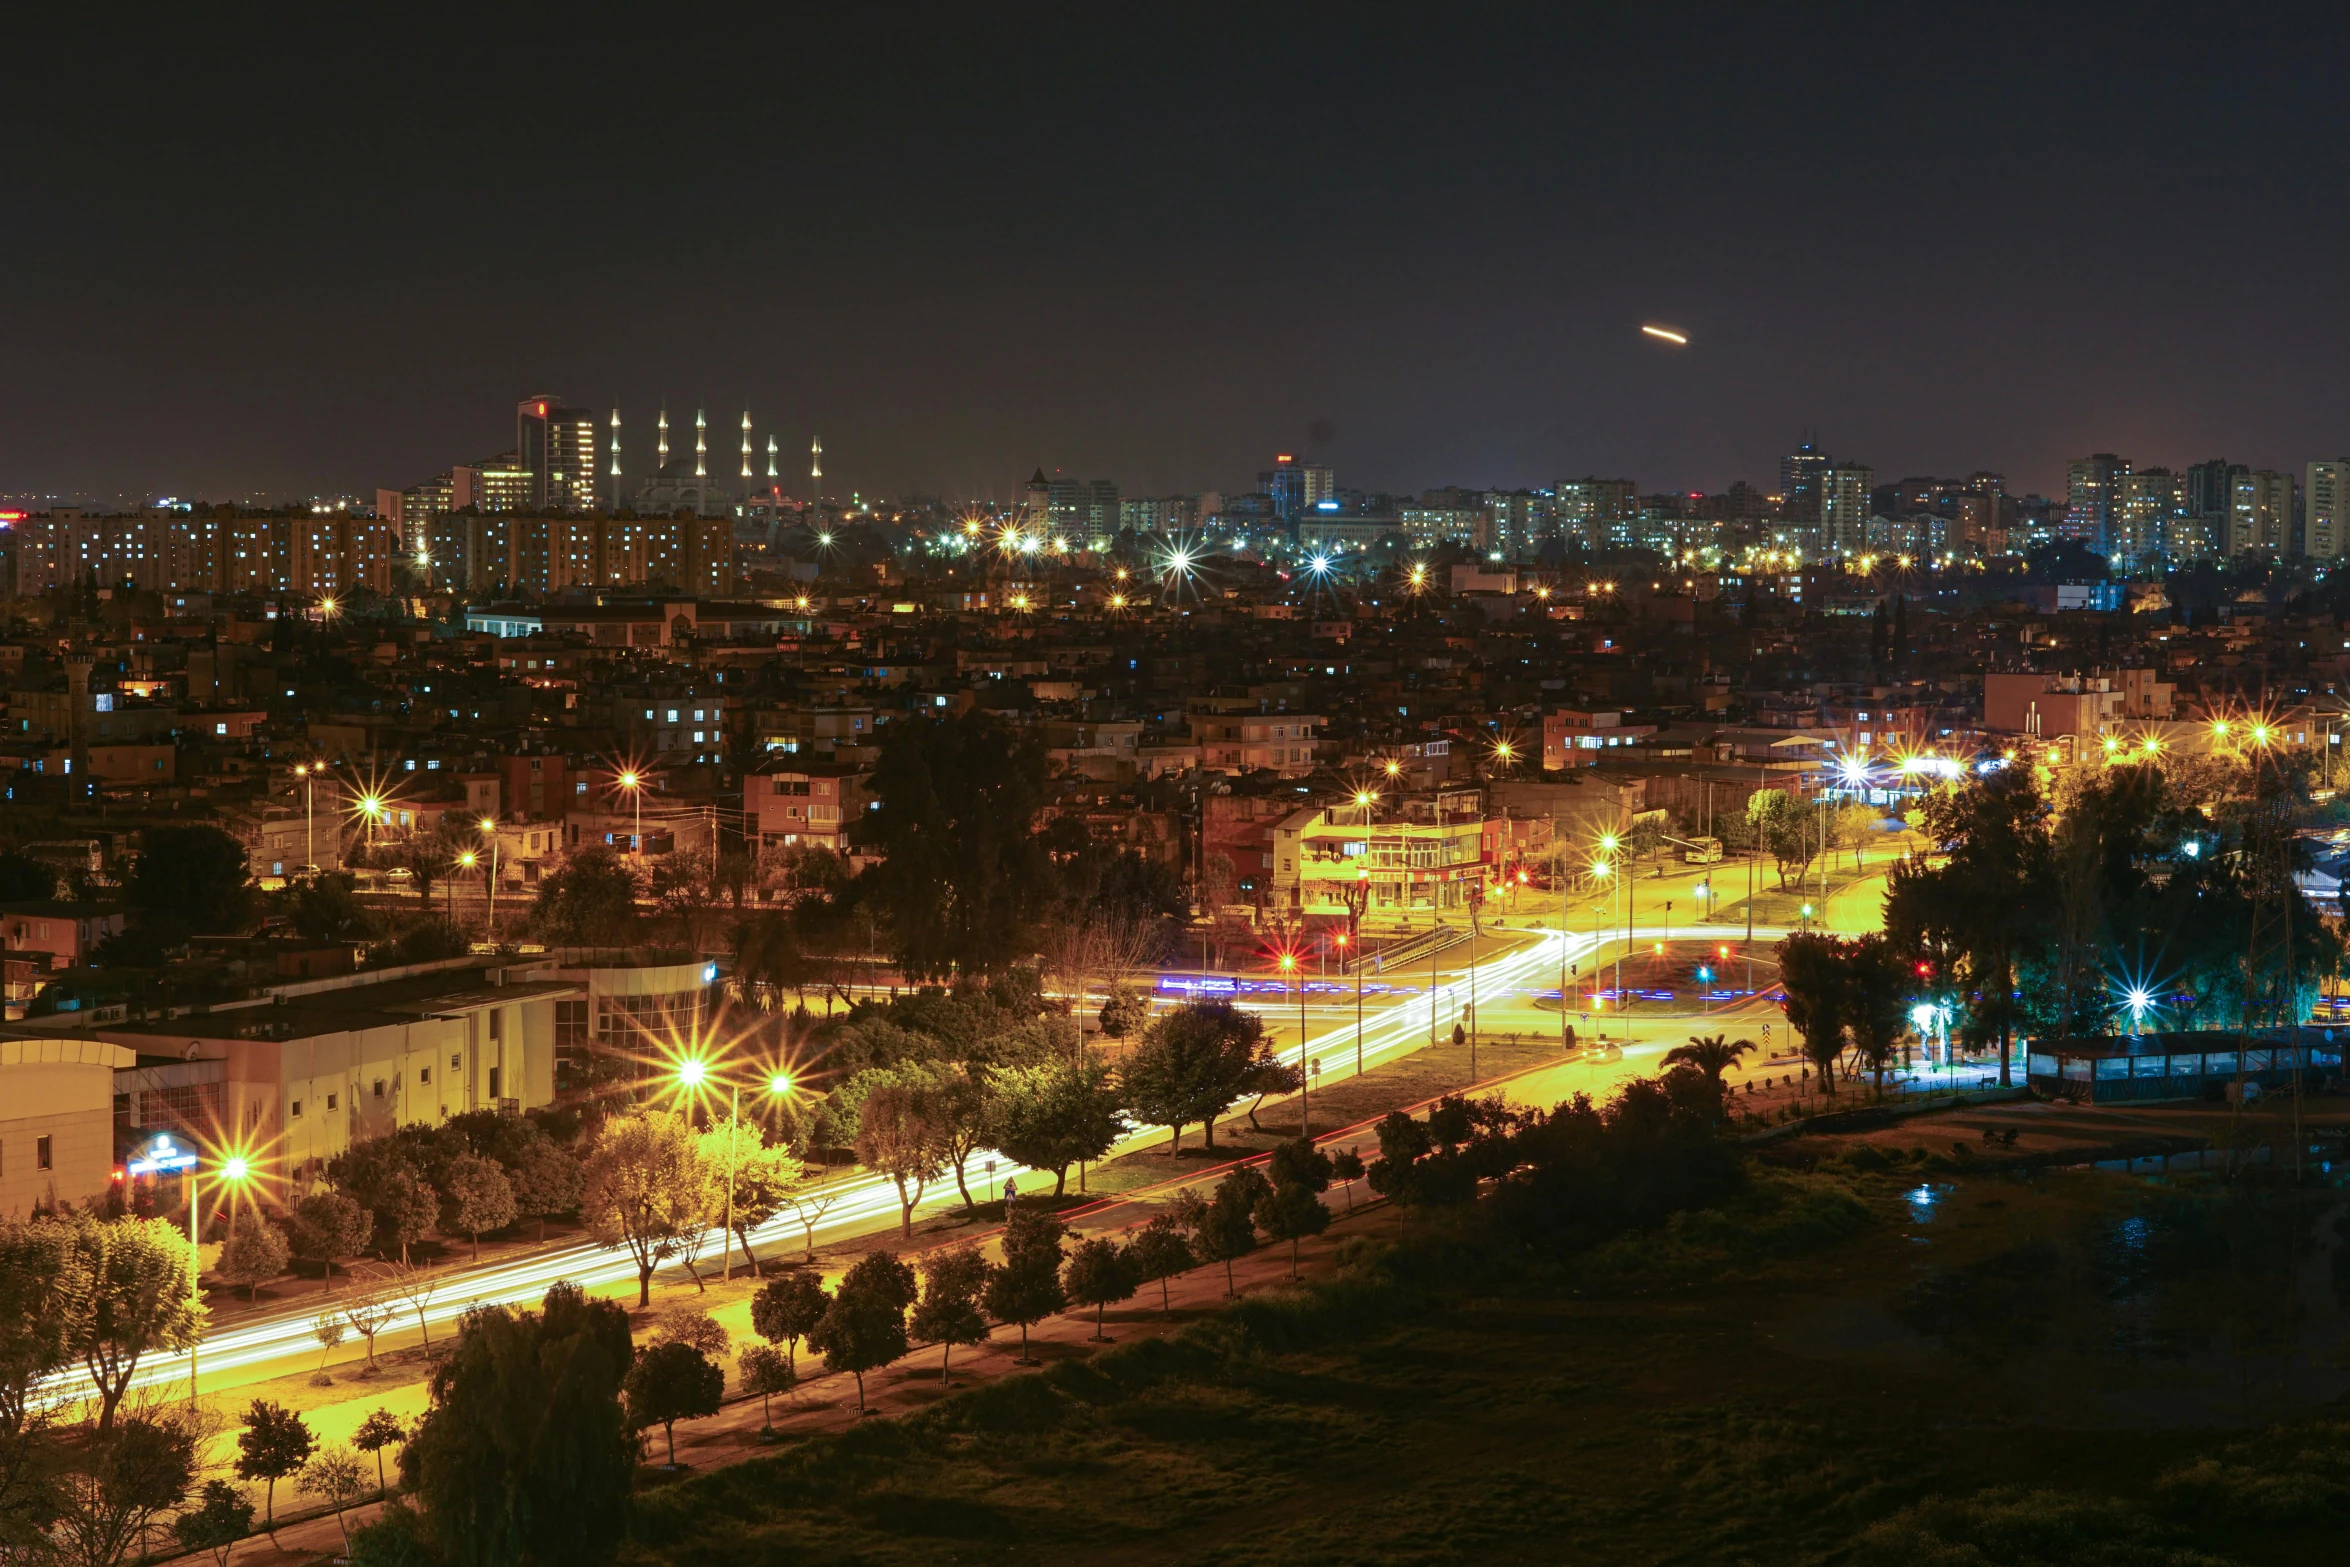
636	792
308	775
1289	967
466	860
164	1155
693	1075
489	825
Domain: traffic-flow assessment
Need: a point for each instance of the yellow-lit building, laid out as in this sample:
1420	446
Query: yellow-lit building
1418	853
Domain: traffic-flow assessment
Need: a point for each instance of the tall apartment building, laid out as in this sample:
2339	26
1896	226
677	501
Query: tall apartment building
320	554
1164	514
1800	473
1596	513
2260	513
1321	485
2211	492
2089	500
556	449
2325	510
2146	505
1845	508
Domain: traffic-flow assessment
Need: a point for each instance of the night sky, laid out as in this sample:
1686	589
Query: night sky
279	256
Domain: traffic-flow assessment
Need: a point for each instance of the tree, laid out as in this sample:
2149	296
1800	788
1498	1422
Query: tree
1160	1251
1099	1272
787	1310
335	1477
1126	1012
952	1283
1812	973
36	1314
387	1177
416	1287
216	1523
475	1196
1224	1228
381	1429
763	1174
523	1455
397	1538
962	879
964	1098
191	879
1877	1006
327	908
1026	1287
864	1328
766	1371
672	1381
108	1499
330	1228
24	879
1290	1211
1709	1053
368	1314
646	1189
1192	1064
809	1204
1049	1117
274	1443
589	902
545	1181
684	1325
255	1252
904	1130
1346	1165
1299	1163
131	1293
327	1327
1976	914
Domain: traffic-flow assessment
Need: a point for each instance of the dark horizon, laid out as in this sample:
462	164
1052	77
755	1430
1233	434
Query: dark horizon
306	261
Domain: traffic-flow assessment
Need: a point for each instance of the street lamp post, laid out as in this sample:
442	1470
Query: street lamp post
305	772
489	826
692	1074
1357	897
636	794
165	1155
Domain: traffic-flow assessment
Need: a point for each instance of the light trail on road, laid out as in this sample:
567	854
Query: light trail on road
861	1204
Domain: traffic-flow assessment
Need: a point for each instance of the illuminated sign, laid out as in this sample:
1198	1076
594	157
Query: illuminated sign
163	1156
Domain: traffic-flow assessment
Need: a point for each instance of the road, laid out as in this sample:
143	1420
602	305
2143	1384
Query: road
1519	961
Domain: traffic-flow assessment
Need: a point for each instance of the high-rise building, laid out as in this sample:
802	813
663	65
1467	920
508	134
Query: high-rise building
1596	513
1846	504
2325	510
2089	500
2260	513
555	446
1800	473
1321	485
2211	499
1285	483
2148	504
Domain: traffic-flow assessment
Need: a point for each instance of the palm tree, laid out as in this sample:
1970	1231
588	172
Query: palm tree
1709	1053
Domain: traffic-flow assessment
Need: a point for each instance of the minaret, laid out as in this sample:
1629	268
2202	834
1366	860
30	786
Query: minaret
816	481
772	453
661	437
614	445
701	446
747	451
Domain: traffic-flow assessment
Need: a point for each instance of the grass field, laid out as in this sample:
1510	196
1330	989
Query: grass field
1841	1365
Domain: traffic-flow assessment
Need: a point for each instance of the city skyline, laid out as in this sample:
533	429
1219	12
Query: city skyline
1157	254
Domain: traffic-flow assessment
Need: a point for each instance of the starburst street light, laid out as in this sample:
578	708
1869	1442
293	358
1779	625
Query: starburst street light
696	1072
